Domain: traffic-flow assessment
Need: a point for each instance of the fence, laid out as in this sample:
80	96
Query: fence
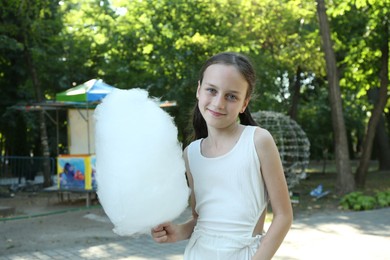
19	170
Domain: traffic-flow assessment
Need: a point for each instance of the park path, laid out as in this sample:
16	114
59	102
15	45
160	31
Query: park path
87	234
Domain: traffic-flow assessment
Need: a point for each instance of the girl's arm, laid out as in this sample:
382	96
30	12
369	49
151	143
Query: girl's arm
169	232
273	175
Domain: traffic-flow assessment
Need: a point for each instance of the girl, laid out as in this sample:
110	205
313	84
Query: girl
233	168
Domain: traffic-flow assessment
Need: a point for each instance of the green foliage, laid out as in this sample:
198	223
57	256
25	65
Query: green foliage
358	32
358	201
161	45
29	44
383	198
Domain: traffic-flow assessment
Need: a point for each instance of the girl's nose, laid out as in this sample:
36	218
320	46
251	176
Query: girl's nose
219	102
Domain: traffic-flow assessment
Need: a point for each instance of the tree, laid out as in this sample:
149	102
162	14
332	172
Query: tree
11	77
379	105
383	145
160	46
362	30
34	27
345	182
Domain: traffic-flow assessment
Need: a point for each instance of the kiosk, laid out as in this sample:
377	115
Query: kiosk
76	170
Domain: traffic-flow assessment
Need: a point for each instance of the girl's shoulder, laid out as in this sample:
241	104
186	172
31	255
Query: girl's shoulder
192	143
262	137
185	151
262	132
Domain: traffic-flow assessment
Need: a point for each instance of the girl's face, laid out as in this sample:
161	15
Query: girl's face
222	95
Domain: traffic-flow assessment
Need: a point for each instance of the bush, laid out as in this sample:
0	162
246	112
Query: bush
358	201
383	198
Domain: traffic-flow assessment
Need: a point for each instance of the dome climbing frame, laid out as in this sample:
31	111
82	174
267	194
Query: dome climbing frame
292	143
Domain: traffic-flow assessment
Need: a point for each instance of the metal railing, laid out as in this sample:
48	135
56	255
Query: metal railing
19	170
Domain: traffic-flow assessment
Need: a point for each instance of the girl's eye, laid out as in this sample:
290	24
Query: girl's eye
211	90
231	97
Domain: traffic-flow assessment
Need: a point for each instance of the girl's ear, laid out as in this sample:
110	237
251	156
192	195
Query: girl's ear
197	91
245	105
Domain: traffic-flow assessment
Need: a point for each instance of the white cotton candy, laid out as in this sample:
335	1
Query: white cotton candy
140	171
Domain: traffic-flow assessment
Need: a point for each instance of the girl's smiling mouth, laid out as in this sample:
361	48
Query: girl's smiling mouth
214	113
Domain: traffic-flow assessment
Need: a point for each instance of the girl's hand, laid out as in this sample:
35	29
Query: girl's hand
165	233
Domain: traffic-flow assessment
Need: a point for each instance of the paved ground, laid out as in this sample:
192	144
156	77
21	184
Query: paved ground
75	232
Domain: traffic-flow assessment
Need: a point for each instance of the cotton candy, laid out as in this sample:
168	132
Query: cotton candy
140	171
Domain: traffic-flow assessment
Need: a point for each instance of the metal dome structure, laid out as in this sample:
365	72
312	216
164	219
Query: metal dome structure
291	140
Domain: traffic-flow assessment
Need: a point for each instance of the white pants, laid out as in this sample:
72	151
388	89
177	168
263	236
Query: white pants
206	246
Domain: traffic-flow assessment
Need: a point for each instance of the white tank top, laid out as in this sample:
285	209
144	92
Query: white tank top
229	190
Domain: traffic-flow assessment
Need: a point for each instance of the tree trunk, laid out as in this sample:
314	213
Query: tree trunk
381	141
47	180
345	181
293	111
361	171
26	35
